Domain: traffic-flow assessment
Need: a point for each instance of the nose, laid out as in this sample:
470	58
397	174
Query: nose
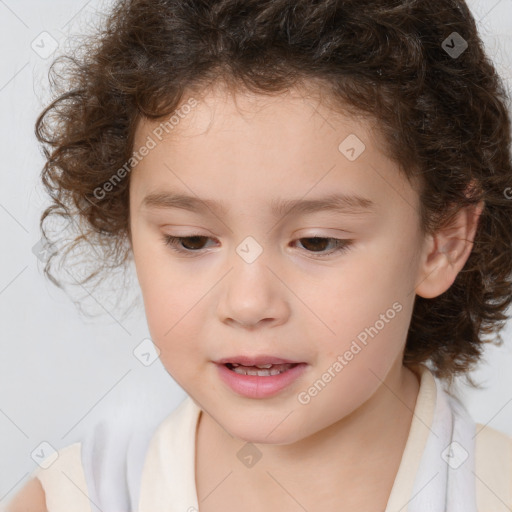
253	295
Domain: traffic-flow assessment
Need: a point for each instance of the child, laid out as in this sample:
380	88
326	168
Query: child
314	194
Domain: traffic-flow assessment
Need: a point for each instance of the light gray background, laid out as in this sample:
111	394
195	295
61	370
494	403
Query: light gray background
58	371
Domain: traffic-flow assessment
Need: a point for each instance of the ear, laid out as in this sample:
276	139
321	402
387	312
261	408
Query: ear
446	252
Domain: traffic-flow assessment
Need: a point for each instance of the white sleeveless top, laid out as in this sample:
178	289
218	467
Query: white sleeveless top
147	465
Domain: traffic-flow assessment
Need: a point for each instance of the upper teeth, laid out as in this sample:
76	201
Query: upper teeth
261	370
257	365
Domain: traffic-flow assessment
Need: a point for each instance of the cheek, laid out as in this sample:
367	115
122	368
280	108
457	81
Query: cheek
368	305
173	313
173	308
175	317
168	293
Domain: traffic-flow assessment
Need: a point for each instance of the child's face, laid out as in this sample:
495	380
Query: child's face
295	301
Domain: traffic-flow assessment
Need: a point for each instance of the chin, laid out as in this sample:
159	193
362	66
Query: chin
263	433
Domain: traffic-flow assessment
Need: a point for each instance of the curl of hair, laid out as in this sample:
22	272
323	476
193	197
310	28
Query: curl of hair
444	119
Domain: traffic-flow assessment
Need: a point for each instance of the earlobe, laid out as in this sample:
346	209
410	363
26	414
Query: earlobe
446	252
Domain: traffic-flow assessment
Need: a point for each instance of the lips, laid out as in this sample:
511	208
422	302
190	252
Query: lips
252	382
256	360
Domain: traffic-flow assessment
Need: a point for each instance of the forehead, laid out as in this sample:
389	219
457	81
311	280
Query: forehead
279	145
296	112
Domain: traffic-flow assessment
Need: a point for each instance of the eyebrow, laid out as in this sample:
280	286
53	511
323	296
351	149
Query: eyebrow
340	203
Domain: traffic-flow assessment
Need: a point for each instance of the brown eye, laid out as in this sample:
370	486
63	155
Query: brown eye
193	243
316	245
185	244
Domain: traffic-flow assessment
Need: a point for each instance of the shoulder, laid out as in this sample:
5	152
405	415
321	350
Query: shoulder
63	480
493	468
493	444
31	498
58	484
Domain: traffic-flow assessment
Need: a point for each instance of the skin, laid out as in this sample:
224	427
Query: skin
246	150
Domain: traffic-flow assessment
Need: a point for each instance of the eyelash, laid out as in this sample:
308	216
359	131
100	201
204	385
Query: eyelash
173	241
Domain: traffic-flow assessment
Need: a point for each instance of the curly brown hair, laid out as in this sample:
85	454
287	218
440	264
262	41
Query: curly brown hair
418	68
